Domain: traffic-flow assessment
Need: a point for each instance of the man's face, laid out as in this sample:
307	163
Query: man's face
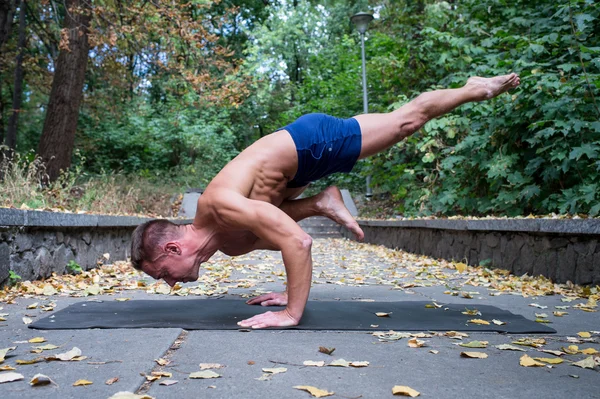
174	268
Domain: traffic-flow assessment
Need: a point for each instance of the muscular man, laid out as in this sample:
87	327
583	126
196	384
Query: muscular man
250	204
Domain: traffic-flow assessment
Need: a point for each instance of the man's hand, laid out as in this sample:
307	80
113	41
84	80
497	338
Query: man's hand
270	319
271	299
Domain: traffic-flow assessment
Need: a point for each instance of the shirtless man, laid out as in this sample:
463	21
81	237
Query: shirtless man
250	204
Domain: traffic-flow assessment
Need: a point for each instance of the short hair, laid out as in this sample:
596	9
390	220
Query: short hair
147	239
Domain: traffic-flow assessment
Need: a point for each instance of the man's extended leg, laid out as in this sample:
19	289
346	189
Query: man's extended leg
381	131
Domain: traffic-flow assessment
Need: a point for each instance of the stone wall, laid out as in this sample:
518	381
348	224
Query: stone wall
33	244
562	250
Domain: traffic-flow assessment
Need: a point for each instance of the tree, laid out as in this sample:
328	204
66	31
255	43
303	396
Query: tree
58	135
11	133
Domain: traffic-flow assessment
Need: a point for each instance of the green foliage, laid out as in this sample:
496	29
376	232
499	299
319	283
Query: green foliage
73	267
13	278
532	151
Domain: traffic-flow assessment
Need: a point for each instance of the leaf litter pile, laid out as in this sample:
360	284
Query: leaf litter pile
339	262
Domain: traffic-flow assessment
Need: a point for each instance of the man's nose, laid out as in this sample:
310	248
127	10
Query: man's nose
170	281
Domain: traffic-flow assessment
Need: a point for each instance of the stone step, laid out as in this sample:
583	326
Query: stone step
321	227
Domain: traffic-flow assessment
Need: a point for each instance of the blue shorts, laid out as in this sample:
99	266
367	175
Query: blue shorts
325	145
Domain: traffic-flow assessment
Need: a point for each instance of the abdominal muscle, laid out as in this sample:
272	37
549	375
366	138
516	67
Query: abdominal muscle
261	172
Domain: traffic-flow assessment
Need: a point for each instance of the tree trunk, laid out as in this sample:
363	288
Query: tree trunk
58	135
11	132
7	8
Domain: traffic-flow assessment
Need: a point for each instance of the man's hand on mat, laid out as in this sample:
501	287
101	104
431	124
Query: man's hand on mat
270	319
271	299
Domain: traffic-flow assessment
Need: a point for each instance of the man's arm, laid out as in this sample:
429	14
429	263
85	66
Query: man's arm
272	225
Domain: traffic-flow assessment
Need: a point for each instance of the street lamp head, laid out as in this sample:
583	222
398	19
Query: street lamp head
361	20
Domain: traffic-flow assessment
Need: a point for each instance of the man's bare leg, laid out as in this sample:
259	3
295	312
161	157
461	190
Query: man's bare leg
381	131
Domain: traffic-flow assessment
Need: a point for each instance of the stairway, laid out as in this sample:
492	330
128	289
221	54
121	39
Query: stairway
321	227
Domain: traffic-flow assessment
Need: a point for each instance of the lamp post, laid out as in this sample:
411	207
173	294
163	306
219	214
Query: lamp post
361	21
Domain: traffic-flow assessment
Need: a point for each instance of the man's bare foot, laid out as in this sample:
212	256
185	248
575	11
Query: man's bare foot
331	205
486	88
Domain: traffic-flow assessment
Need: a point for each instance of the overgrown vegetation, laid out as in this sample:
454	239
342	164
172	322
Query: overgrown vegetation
147	129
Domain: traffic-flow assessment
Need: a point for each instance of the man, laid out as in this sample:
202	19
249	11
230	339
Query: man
250	204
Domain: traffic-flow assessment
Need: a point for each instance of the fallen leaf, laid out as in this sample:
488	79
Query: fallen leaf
555	353
339	363
129	395
584	334
46	347
70	355
327	351
374	325
251	362
27	320
208	366
37	340
316	392
403	390
461	267
33	306
416	343
162	374
31	361
471	312
168	382
204	374
434	351
535	305
122	299
162	362
359	364
541	315
6	367
475	344
80	383
559	314
498	322
533	342
151	378
383	314
507	347
479	321
4	351
587	363
589	351
474	355
112	380
549	360
320	363
456	335
543	321
571	349
275	370
527	361
10	377
39	380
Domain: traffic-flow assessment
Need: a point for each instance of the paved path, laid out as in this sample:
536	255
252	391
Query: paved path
343	270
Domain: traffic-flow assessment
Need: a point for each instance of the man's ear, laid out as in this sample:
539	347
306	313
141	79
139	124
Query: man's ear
173	248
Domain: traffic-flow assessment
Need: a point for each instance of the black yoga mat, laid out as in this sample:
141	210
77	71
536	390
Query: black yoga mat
223	314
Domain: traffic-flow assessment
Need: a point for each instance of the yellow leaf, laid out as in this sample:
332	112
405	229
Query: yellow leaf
359	364
405	391
4	351
587	363
162	362
6	367
589	351
122	299
80	383
33	306
559	314
479	321
31	361
37	340
316	392
549	360
527	361
533	342
475	344
584	334
474	355
571	349
461	267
